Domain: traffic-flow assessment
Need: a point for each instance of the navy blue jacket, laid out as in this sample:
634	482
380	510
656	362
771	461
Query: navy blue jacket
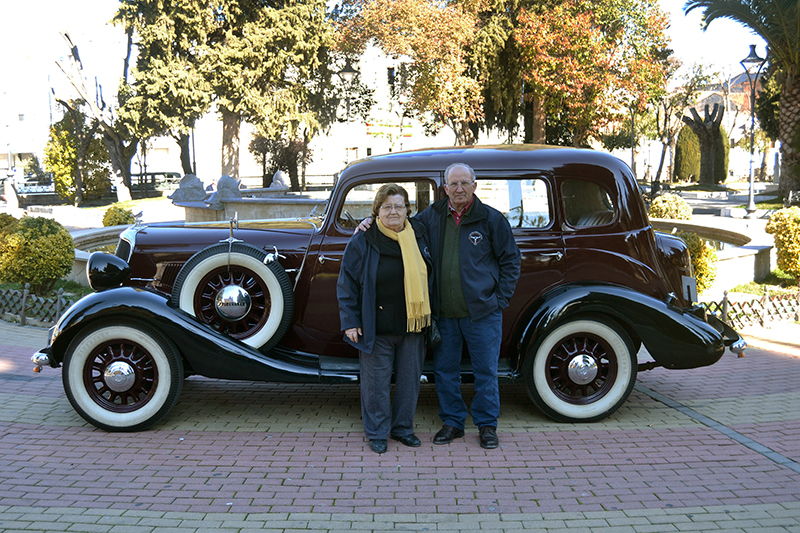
357	279
489	255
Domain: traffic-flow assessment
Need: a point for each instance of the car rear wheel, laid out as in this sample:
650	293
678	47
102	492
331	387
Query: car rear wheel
581	371
122	376
235	291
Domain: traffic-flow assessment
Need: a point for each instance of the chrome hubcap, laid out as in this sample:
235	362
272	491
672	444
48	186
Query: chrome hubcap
582	369
232	302
119	376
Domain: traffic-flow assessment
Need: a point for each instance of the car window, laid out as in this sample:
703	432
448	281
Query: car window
586	203
524	202
358	200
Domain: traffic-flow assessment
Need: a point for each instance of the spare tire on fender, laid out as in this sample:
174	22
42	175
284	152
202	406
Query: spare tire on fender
232	288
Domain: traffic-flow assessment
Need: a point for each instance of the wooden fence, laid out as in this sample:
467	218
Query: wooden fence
27	308
760	311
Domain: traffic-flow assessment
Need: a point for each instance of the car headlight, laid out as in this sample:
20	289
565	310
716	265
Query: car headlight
106	271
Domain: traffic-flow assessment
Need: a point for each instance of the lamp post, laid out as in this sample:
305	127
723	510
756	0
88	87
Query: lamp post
752	60
347	74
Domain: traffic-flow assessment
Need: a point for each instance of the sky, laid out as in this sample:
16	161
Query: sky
31	43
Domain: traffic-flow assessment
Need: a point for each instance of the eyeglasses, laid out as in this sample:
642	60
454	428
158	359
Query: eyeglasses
462	184
389	207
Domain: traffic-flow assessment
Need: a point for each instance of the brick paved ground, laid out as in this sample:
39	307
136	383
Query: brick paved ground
714	449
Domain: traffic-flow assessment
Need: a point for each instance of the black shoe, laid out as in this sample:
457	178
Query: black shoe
489	438
377	445
447	434
409	440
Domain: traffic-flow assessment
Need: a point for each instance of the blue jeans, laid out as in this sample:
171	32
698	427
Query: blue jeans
483	338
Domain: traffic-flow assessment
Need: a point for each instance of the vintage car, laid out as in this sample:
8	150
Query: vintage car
256	300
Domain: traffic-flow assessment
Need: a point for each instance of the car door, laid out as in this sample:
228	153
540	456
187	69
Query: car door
526	200
320	317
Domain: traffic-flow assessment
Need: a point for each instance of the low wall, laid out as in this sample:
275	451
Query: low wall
253	208
742	263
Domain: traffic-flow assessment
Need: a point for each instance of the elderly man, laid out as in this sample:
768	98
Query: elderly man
477	266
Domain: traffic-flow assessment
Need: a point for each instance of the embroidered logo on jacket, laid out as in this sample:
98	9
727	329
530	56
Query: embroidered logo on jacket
475	237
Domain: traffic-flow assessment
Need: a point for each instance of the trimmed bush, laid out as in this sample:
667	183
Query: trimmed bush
670	206
721	157
785	226
687	156
704	260
117	216
39	251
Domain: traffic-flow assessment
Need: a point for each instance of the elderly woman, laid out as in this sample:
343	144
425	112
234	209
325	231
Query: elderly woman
385	319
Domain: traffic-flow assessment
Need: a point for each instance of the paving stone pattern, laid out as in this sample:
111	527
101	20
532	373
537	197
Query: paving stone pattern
711	449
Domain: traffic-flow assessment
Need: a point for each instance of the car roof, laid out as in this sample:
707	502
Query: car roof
508	157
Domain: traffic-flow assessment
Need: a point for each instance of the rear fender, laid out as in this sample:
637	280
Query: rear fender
675	337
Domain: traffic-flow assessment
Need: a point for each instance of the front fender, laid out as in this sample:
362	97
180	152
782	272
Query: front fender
207	352
675	337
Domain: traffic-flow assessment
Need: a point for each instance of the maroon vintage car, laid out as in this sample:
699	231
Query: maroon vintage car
256	300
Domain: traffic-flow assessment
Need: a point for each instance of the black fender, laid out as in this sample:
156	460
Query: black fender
677	338
207	352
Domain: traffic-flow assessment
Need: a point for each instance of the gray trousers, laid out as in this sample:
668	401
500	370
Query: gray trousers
382	415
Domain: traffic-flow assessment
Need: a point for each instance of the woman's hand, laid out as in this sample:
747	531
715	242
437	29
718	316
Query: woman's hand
353	333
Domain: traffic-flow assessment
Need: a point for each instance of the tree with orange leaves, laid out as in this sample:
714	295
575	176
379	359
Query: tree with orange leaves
593	61
432	39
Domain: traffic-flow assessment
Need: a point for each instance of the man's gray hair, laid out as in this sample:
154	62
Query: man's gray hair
462	165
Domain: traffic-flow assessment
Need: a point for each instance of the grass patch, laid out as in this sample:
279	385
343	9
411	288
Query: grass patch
71	288
776	282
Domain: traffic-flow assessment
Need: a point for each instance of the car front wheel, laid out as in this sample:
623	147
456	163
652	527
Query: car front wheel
581	371
122	376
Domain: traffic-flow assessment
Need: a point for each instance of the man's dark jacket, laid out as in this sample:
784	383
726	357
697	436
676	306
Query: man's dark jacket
489	256
357	278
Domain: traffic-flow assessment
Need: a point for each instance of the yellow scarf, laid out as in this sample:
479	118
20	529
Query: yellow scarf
415	277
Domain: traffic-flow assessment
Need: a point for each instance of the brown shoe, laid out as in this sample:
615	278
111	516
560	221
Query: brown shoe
489	438
447	434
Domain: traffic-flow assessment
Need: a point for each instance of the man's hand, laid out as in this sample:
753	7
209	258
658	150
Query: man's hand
353	333
364	225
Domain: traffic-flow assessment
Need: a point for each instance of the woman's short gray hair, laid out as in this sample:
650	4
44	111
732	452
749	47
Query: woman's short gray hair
389	189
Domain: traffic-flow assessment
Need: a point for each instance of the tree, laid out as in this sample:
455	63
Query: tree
669	113
592	61
169	92
707	131
280	154
496	57
687	156
435	82
778	23
116	135
77	157
257	58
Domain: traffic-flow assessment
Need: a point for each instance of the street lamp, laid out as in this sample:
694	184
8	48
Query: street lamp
347	74
752	60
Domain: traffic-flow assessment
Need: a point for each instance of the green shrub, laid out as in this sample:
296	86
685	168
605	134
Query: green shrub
687	156
785	226
704	260
7	224
39	251
721	157
670	206
117	216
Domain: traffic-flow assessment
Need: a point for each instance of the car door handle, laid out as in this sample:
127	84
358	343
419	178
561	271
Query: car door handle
322	259
557	255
